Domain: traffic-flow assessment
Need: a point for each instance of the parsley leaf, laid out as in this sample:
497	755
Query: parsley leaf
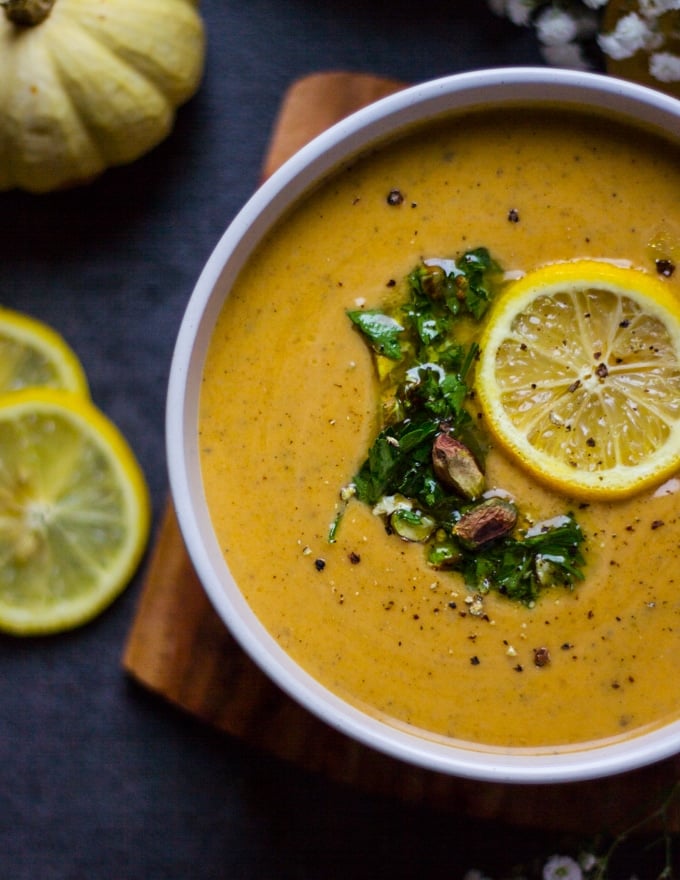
398	451
381	330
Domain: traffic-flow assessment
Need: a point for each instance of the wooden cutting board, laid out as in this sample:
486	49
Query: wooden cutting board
180	649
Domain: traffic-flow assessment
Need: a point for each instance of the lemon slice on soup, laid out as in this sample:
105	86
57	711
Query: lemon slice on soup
33	354
579	377
74	511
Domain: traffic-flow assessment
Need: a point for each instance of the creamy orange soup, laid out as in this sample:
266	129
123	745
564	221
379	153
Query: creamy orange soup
289	409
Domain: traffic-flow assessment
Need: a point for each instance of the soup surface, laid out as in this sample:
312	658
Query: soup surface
289	408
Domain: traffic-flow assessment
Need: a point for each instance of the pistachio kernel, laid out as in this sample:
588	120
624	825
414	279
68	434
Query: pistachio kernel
486	522
455	466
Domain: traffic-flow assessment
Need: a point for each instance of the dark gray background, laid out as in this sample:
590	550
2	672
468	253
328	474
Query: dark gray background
98	779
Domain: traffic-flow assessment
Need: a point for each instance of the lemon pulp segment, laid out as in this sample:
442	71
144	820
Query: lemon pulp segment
74	511
579	377
33	354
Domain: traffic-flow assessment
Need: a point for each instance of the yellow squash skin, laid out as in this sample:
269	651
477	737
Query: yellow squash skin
95	84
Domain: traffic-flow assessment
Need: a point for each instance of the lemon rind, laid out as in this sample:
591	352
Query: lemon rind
39	336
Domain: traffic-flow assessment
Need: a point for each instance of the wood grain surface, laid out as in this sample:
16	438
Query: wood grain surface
179	648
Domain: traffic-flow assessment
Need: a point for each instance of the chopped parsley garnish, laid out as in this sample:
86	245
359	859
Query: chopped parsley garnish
424	472
521	568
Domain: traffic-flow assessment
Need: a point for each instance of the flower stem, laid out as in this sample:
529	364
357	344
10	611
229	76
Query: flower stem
660	813
27	13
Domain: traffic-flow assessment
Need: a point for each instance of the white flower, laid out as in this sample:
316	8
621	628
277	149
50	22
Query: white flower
655	8
555	27
564	26
665	67
562	868
569	55
629	36
519	11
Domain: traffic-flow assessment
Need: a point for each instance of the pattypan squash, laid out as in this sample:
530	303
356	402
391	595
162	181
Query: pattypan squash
88	84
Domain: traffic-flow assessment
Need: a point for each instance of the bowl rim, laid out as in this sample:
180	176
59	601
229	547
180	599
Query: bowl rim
311	163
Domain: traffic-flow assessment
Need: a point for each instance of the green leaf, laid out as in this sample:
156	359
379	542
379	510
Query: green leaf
392	458
381	330
481	273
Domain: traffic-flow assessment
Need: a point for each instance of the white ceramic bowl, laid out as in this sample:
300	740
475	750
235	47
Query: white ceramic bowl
313	162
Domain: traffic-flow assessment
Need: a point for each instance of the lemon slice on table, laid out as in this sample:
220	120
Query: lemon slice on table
33	354
74	511
579	377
